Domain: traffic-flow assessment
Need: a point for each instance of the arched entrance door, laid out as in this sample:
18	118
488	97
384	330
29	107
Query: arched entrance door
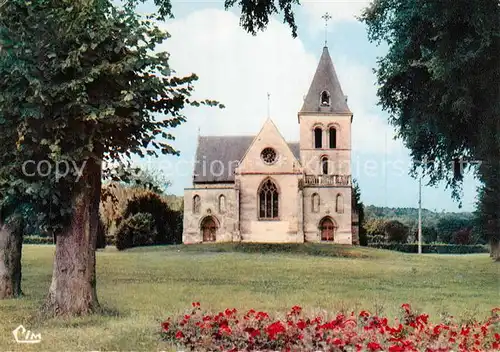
327	229
208	229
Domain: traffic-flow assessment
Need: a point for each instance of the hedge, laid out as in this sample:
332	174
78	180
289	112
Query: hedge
432	248
37	240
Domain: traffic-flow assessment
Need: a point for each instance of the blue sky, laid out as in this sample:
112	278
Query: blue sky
239	70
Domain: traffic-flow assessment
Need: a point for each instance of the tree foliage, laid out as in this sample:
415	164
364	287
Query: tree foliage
360	208
255	15
440	84
81	80
439	79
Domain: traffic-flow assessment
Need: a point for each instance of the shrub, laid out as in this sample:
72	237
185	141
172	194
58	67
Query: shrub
37	240
463	236
432	248
168	222
395	231
259	331
119	203
137	230
375	239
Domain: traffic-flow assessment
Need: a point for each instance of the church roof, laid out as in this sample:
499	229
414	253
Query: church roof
218	156
325	79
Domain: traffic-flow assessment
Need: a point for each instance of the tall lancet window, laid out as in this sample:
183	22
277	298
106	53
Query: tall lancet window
318	137
333	137
325	98
222	203
339	206
196	204
268	201
324	165
315	203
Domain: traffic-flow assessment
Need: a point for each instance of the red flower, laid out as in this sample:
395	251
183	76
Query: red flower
301	324
165	325
406	307
252	332
374	346
465	331
364	314
261	316
179	335
296	310
337	342
275	329
226	329
195	304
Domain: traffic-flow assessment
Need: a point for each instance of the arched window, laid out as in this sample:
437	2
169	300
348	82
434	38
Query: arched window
325	98
333	137
324	165
315	203
268	200
222	203
318	137
339	204
196	204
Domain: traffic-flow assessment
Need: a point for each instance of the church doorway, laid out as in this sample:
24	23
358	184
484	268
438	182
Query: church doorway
327	229
208	229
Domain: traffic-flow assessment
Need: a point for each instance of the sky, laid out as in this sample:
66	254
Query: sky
239	70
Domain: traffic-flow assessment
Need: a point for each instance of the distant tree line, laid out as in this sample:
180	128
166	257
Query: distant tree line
400	225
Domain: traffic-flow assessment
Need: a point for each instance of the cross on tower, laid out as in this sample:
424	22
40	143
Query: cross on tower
326	17
268	105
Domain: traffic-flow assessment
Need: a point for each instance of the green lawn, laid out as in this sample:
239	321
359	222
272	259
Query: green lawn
140	287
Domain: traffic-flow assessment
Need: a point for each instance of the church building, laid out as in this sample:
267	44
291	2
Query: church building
264	189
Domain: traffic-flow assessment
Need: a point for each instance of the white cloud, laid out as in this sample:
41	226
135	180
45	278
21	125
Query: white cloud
239	69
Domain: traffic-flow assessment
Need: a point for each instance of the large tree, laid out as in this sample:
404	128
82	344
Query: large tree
80	85
440	84
39	36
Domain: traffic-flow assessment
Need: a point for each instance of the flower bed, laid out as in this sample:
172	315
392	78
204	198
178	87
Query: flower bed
259	331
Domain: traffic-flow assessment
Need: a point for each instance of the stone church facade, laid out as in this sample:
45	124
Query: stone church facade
264	189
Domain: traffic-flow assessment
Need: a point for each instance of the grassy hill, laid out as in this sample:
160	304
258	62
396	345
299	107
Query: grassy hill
142	286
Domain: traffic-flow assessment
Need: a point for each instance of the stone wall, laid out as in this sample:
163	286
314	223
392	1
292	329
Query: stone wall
285	229
327	208
226	218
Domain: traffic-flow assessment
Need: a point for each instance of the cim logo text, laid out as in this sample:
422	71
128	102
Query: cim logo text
21	335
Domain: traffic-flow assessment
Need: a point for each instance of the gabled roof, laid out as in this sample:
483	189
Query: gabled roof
325	78
218	156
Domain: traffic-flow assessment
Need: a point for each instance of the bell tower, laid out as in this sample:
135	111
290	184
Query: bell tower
325	154
325	124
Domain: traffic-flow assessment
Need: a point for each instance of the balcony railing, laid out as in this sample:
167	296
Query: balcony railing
328	180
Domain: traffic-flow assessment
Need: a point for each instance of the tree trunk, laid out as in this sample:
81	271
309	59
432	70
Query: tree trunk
73	288
11	242
495	249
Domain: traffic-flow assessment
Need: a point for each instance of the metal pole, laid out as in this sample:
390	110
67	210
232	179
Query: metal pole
420	215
